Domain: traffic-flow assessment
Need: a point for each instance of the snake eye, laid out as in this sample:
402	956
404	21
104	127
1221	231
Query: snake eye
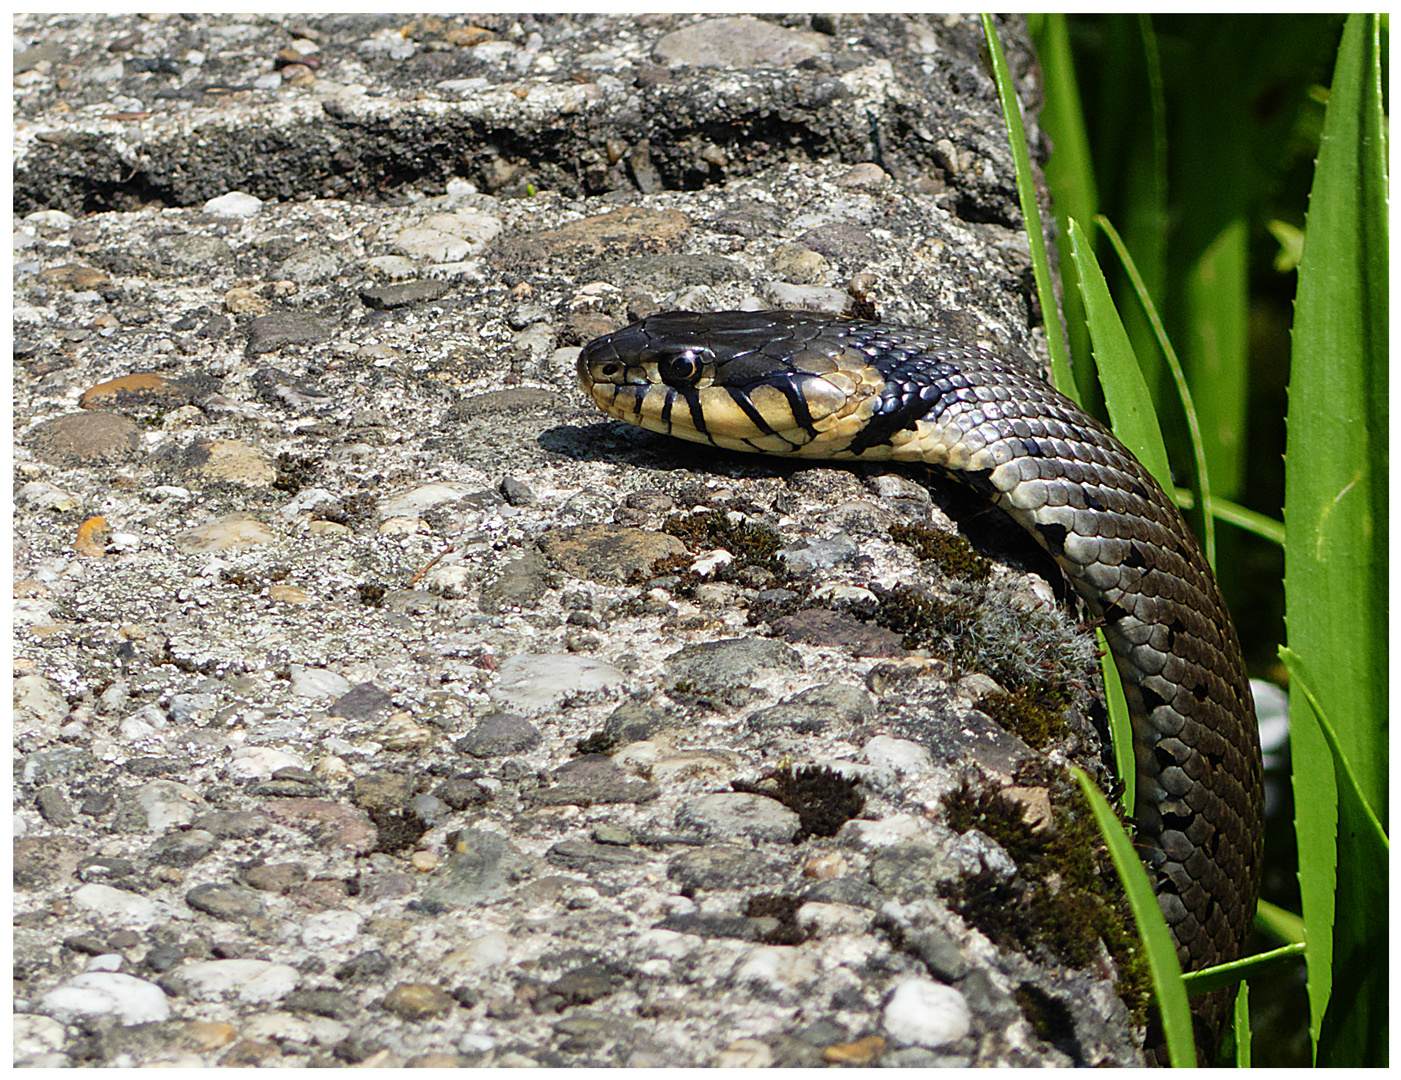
680	369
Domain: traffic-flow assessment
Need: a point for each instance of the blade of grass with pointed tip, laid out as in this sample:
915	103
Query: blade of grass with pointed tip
1242	1026
1070	177
1166	972
1357	1007
1031	213
1336	550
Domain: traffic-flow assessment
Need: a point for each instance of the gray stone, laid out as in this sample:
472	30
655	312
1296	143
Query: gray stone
232	902
184	848
481	867
518	583
722	866
499	735
268	333
738	42
735	814
591	780
363	702
721	674
54	807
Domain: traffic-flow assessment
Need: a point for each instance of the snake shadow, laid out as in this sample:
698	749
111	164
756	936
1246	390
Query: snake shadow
988	528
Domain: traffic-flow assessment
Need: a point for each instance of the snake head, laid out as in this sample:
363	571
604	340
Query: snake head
753	381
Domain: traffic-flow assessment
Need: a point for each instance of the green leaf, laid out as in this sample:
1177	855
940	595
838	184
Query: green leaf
1157	939
1262	525
1070	176
1215	355
1357	1008
1202	523
1336	473
1274	920
1120	724
1242	1026
1031	213
1125	393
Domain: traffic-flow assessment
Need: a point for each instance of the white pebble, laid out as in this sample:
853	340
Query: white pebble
317	682
413	503
898	756
249	762
235	203
35	1036
107	993
330	928
168	805
253	981
531	683
117	906
922	1012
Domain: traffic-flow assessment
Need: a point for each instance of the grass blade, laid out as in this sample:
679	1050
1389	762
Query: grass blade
1120	725
1202	522
1242	1027
1125	393
1219	975
1274	920
1335	552
1157	940
1070	177
1252	521
1357	1008
1031	213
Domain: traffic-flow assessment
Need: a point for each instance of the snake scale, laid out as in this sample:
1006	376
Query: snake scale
812	386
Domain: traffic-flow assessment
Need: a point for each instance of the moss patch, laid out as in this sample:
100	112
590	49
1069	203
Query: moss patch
751	544
823	798
1066	896
1036	713
953	554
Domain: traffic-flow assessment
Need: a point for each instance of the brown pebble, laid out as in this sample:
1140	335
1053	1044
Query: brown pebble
208	1034
93	535
85	438
464	37
143	391
861	1052
229	532
417	1001
75	276
288	594
228	461
435	1060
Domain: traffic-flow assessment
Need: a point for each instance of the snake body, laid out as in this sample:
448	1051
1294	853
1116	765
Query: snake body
811	386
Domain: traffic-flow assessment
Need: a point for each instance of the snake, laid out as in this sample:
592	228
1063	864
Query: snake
813	386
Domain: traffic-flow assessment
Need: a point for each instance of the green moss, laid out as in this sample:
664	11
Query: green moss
1035	712
823	798
926	621
1065	898
953	554
751	544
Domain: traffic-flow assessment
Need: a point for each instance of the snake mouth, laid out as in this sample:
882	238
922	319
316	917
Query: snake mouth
787	412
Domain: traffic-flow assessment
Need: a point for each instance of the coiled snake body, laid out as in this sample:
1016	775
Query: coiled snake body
811	386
